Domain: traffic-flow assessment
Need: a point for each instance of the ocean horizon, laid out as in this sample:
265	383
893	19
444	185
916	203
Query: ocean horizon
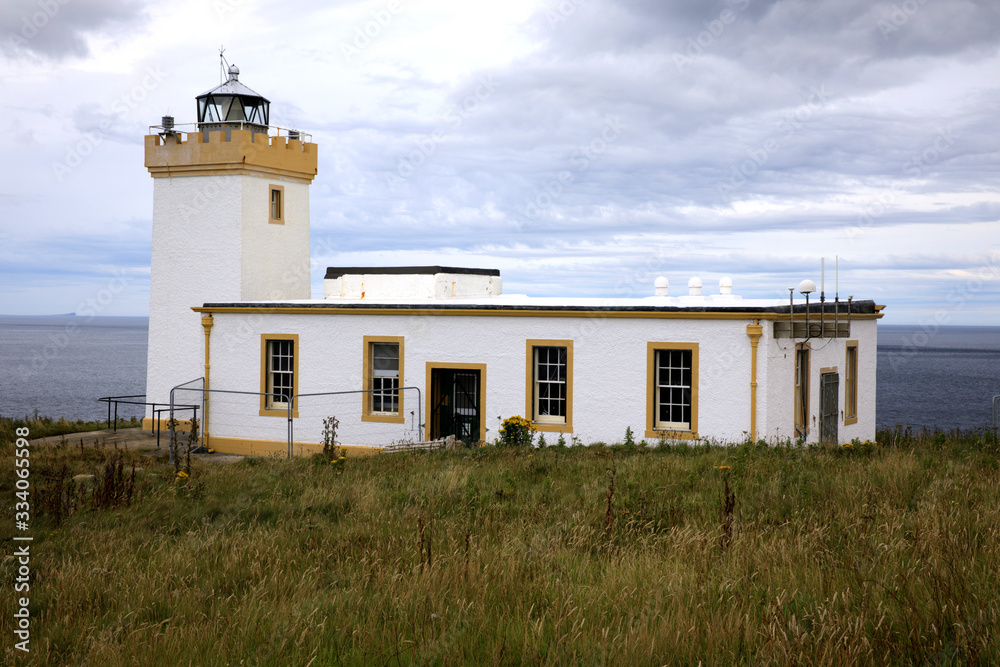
59	365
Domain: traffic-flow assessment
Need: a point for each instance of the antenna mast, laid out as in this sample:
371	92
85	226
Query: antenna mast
223	65
836	296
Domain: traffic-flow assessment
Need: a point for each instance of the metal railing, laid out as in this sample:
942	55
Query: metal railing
204	391
195	128
420	408
115	400
996	412
291	406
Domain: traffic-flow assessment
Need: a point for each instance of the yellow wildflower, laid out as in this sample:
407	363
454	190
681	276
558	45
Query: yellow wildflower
721	467
181	474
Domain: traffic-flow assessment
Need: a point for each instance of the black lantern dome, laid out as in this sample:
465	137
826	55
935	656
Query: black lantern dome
233	105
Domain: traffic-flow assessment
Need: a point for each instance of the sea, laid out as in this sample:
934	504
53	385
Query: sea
59	366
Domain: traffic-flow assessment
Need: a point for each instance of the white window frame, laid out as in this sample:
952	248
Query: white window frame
542	381
385	380
655	427
673	384
373	376
533	380
279	358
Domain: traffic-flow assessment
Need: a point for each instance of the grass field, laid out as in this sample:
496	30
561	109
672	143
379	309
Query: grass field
601	555
41	427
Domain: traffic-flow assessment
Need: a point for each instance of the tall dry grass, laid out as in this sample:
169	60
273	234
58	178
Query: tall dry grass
883	554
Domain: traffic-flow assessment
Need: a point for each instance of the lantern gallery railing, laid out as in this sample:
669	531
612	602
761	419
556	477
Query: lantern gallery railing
194	128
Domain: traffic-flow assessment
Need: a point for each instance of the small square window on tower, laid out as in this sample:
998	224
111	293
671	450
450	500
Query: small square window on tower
277	214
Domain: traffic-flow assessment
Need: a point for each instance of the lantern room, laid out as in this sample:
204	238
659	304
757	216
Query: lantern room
233	105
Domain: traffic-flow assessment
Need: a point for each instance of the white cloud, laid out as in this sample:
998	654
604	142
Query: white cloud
461	133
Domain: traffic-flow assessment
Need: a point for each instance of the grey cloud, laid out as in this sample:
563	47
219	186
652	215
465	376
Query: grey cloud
58	29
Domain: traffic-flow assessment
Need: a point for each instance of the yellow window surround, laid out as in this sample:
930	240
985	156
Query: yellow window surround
530	398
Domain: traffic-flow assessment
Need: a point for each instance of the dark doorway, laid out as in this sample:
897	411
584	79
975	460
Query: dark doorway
801	391
455	404
828	407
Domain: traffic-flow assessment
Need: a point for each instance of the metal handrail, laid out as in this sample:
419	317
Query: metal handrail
158	411
207	391
304	137
291	403
118	399
291	406
996	412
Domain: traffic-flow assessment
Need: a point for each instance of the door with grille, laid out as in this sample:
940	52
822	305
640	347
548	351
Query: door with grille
455	404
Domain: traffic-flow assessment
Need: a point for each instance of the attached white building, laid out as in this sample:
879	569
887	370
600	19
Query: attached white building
411	353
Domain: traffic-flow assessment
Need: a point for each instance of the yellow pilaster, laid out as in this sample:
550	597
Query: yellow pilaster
754	331
206	321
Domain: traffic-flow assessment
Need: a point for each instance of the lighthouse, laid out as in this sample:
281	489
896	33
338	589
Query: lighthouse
230	223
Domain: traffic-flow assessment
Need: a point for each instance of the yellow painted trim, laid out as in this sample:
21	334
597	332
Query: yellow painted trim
851	375
229	170
828	369
280	189
183	425
755	331
249	447
430	366
245	153
529	384
795	401
266	411
207	322
366	374
651	430
627	314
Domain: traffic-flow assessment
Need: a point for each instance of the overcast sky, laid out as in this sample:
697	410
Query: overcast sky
583	147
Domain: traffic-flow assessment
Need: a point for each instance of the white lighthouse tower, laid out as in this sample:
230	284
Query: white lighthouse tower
230	224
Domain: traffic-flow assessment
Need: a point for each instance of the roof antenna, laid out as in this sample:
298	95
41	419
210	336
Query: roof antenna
223	65
836	297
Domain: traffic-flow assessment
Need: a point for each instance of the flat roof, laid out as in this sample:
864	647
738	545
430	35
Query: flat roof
338	271
520	302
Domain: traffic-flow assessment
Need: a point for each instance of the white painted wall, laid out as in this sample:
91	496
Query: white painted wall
779	392
195	258
609	371
275	258
212	242
411	286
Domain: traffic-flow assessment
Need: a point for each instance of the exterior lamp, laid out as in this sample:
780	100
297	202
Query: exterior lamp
807	287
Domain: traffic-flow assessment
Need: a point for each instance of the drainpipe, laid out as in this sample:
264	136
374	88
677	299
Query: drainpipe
754	331
206	321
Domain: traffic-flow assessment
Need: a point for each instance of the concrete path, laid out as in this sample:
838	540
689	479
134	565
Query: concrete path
132	439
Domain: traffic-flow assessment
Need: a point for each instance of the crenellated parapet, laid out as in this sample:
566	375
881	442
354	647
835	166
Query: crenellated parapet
228	152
